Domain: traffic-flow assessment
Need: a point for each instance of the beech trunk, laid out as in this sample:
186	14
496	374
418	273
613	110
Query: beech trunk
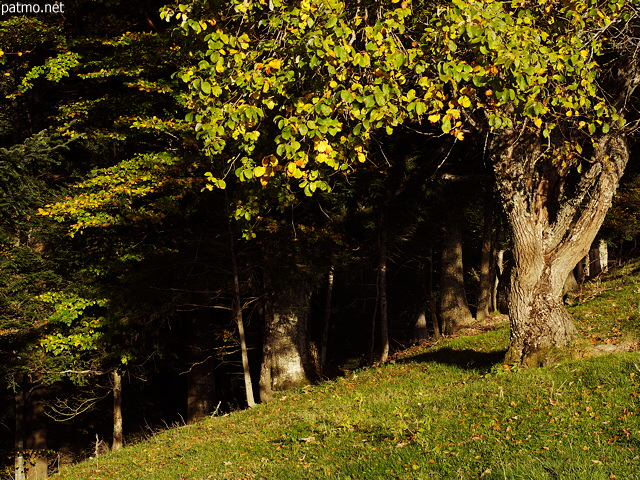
285	361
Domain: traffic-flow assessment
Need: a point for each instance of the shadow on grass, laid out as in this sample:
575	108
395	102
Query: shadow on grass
467	359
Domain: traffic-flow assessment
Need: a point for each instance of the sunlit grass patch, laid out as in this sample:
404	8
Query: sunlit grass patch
610	313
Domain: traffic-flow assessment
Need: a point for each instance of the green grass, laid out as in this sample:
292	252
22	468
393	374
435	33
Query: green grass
611	313
447	411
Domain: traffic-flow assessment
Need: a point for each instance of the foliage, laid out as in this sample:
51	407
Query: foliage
146	187
25	180
299	91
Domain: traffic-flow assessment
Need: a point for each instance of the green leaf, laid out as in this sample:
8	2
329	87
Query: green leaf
346	96
446	124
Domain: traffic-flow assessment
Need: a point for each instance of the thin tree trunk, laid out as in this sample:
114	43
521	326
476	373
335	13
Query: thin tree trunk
382	284
580	272
420	331
503	289
327	321
237	311
374	317
20	472
266	392
484	293
118	438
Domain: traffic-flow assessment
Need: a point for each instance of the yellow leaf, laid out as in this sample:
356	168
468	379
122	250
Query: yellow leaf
323	146
322	158
454	113
537	122
434	118
275	64
259	171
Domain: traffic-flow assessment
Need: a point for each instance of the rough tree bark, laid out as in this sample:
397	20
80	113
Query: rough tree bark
552	227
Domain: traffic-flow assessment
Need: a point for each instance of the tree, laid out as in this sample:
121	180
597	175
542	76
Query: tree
454	308
300	91
487	260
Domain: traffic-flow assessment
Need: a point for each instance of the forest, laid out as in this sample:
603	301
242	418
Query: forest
207	202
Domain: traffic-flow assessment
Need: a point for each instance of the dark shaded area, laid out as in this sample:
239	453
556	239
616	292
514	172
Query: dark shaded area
467	359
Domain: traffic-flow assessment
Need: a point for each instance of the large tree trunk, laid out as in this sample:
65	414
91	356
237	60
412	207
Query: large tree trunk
553	227
454	308
285	362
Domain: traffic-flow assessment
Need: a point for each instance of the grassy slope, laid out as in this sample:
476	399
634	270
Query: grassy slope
446	411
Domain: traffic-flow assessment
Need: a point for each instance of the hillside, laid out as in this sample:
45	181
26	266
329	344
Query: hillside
447	410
